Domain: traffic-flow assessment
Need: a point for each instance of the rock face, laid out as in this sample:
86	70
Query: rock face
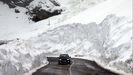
43	9
37	9
39	14
14	3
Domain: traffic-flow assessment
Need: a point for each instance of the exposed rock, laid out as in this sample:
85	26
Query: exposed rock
14	3
17	11
38	14
37	9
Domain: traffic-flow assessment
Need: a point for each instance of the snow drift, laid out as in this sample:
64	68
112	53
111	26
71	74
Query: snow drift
17	58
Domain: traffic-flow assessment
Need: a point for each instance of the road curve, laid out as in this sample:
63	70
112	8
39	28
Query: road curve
78	67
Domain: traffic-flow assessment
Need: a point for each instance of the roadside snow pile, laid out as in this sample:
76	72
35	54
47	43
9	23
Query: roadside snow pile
118	47
109	41
17	58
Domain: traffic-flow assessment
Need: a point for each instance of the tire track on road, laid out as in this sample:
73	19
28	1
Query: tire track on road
70	69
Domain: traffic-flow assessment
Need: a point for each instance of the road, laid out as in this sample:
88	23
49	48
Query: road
78	67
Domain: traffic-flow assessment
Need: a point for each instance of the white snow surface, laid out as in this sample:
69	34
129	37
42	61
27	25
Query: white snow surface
14	24
102	33
17	25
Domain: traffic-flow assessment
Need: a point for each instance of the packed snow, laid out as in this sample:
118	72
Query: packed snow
102	33
17	58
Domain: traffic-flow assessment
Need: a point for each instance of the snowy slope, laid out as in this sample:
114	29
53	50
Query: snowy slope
17	25
13	24
93	14
99	12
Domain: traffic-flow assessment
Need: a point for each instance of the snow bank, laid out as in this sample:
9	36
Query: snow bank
18	57
118	47
109	42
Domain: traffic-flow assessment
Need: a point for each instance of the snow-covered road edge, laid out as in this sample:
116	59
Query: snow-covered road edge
35	69
113	69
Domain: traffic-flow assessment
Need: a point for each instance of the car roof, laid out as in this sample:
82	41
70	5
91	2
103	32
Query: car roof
64	55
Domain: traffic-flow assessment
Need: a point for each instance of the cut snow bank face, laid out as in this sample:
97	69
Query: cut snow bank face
108	42
118	47
18	57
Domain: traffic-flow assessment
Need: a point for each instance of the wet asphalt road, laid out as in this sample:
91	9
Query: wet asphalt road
78	67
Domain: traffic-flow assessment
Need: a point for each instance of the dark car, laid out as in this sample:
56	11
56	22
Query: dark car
64	59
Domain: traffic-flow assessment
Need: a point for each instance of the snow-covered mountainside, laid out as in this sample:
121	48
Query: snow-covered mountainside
18	20
45	8
102	33
15	22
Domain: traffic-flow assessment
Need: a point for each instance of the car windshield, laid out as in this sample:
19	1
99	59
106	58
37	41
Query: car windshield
64	56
